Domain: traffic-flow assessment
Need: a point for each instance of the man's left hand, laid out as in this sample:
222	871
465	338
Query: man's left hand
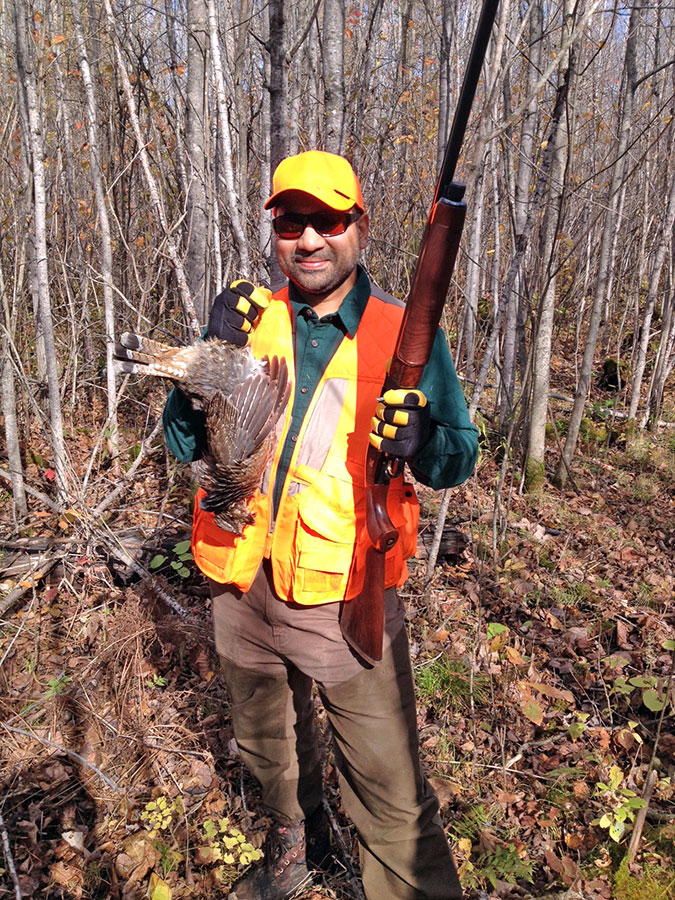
402	423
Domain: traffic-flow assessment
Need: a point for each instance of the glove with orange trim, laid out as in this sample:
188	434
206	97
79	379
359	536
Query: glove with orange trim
402	423
235	312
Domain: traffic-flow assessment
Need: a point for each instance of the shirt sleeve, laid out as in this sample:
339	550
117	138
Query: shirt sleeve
184	427
450	455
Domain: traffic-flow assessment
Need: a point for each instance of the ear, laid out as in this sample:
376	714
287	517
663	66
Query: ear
363	224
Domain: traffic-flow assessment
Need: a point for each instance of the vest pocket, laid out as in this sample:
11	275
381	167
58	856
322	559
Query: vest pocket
324	540
322	567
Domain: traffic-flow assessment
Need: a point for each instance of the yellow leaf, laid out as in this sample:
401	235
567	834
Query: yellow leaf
158	889
514	656
464	847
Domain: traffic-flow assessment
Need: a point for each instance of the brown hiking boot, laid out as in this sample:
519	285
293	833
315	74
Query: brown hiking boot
289	847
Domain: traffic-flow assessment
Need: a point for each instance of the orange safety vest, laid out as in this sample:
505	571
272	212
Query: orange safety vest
318	540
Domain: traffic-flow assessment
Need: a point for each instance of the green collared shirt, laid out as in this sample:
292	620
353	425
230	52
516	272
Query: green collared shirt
447	459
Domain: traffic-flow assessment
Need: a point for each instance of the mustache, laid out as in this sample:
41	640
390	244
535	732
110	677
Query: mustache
316	255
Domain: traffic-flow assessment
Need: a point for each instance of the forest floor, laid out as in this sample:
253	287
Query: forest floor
543	655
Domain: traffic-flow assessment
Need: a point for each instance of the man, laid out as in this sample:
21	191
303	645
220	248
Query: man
277	589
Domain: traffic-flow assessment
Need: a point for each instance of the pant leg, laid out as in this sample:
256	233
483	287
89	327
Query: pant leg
404	851
273	722
272	707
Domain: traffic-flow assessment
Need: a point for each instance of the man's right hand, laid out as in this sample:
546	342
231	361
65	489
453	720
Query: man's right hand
235	312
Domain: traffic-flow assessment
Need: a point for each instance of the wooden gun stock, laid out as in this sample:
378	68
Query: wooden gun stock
362	618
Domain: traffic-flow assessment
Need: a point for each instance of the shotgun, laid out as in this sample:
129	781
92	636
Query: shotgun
362	617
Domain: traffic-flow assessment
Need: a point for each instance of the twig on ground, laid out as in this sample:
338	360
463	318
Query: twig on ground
345	856
641	817
29	580
32	492
123	556
18	632
9	859
85	762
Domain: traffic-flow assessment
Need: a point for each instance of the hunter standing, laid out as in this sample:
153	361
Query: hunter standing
277	590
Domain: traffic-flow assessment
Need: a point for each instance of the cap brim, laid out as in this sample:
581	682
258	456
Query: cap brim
331	198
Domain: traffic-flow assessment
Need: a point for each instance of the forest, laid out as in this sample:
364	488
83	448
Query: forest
138	142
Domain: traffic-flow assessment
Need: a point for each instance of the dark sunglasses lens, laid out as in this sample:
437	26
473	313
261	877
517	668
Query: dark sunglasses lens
288	227
329	225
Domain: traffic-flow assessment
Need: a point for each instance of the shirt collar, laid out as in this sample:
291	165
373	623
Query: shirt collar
352	307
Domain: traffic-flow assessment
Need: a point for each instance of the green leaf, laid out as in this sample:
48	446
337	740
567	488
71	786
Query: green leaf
185	557
532	710
157	561
210	829
621	686
668	644
605	821
576	729
641	681
616	831
181	547
176	564
653	700
494	628
183	572
615	777
636	803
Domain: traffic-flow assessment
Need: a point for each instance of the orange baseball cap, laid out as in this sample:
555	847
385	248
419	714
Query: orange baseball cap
325	176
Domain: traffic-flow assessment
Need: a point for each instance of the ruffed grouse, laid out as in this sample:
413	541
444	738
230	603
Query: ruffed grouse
242	398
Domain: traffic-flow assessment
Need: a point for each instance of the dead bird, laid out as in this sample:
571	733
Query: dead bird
242	399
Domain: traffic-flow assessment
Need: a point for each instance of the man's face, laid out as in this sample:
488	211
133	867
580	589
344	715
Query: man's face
322	268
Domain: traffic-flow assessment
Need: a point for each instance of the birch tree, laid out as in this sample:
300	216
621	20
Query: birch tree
96	170
333	74
232	203
27	70
544	320
197	268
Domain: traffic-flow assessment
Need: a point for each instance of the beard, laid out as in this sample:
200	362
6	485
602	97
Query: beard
326	278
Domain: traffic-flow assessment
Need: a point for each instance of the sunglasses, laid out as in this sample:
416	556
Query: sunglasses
290	226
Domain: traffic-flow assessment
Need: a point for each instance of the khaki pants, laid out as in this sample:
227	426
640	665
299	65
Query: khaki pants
271	652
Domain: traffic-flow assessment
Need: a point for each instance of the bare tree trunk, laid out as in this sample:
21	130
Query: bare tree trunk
473	272
197	268
522	198
278	117
333	74
9	403
96	170
665	238
444	62
625	121
27	74
176	97
226	143
665	360
541	374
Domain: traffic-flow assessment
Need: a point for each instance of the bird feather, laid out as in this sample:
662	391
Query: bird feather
242	397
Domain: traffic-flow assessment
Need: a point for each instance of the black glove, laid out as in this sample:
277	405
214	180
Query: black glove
235	312
402	423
